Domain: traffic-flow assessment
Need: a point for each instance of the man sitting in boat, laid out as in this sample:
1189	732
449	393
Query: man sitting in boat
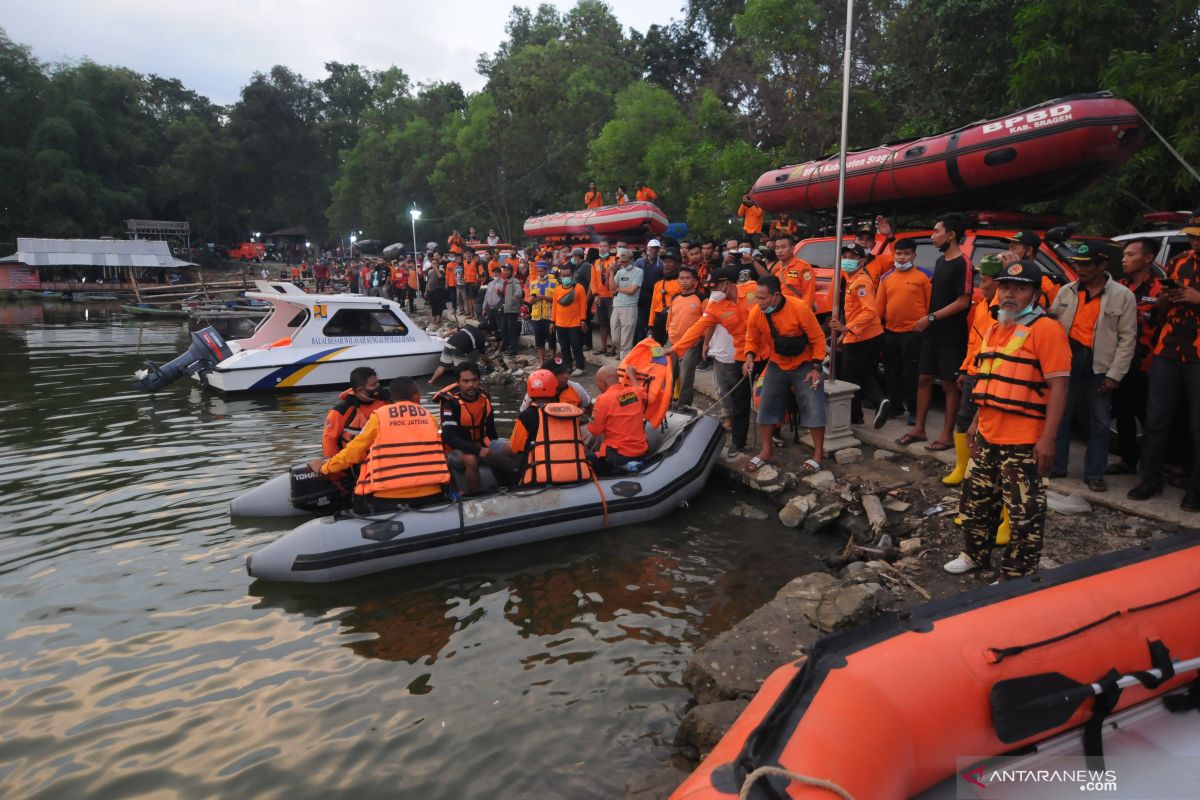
619	424
568	390
401	452
354	407
465	345
547	437
469	428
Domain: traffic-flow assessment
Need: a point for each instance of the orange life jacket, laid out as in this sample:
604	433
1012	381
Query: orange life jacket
346	420
407	452
1010	377
472	416
555	451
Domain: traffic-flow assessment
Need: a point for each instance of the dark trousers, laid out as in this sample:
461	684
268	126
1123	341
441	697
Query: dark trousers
1129	409
1005	476
510	328
737	401
570	343
1170	381
860	361
900	352
642	329
1084	389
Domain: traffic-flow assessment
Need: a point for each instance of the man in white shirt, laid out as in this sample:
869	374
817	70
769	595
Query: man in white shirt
626	285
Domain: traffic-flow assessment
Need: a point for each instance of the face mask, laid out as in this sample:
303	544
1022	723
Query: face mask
904	267
770	309
566	281
849	264
372	393
718	296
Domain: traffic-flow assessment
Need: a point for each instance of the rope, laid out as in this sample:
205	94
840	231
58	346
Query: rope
1170	149
603	499
795	777
669	432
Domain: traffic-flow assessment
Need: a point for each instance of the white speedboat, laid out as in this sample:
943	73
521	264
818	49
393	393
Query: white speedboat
307	340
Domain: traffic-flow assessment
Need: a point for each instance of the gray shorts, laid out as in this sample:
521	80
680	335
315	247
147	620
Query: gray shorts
772	403
452	357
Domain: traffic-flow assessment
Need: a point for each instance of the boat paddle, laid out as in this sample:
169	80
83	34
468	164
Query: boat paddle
1026	706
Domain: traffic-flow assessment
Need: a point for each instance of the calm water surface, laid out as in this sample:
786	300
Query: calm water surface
139	659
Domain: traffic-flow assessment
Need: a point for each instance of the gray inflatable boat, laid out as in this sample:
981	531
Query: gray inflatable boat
347	545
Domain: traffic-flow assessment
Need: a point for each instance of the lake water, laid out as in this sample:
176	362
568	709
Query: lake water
140	660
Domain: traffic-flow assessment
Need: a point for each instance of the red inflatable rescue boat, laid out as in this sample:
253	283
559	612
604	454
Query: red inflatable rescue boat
1047	151
627	218
926	698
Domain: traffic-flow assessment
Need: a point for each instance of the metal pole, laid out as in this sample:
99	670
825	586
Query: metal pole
413	219
841	201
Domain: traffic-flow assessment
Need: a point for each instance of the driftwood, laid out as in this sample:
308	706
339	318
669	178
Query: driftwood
876	516
897	575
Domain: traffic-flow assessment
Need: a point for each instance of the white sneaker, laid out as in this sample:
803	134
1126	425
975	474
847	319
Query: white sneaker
576	373
964	563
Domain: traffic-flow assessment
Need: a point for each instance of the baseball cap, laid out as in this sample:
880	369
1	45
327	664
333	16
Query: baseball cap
671	253
851	247
578	251
1193	225
654	243
1028	238
1087	253
1023	271
865	227
724	274
990	266
541	265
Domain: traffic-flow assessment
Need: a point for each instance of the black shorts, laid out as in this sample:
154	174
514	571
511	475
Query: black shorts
541	332
940	359
603	316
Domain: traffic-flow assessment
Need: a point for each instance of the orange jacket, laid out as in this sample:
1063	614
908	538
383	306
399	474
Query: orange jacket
401	453
646	195
797	279
752	217
903	298
598	285
593	199
568	316
662	294
793	318
978	323
861	315
345	421
685	310
1015	362
554	451
620	417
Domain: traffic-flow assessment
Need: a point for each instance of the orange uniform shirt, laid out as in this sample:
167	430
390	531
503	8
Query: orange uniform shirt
601	268
729	314
568	316
1050	348
1083	327
471	271
752	217
646	195
797	279
592	200
903	298
619	416
862	318
664	292
685	310
978	323
778	226
451	275
355	452
791	319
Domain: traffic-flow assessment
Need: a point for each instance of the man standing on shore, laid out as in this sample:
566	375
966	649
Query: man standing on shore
625	282
1129	401
1021	390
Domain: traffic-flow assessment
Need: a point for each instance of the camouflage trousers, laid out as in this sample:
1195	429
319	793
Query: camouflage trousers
1004	476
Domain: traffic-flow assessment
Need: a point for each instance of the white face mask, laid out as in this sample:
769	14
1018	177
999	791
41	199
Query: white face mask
904	266
718	296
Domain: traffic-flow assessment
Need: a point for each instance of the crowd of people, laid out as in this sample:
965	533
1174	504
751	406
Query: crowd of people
1015	358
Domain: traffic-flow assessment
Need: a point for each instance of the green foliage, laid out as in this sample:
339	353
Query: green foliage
698	107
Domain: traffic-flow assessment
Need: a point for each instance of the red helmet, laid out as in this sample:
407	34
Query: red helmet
542	383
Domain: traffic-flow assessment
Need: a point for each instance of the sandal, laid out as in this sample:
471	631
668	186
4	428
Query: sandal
755	464
910	438
811	466
937	447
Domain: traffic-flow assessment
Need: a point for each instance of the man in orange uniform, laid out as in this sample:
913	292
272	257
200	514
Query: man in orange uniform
662	293
860	336
455	241
1024	367
1175	372
592	197
355	405
619	422
566	314
752	219
469	428
547	438
725	318
602	296
785	333
782	225
645	194
686	308
902	298
794	274
401	453
1025	245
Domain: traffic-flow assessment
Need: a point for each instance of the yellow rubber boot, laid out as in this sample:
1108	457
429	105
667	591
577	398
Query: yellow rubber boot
1005	529
962	454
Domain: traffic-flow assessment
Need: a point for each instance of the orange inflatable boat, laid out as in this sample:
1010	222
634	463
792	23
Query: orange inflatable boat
892	709
653	368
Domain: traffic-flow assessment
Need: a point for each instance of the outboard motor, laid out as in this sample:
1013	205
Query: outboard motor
317	494
208	349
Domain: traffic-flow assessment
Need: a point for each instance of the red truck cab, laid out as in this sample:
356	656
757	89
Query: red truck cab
247	251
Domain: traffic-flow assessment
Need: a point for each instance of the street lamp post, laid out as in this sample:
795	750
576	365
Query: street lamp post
415	214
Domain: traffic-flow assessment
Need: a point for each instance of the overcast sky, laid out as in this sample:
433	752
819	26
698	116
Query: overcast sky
215	46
